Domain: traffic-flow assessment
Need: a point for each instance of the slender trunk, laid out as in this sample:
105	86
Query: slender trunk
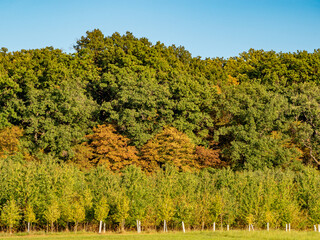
52	226
138	226
76	226
104	227
202	227
100	226
122	225
10	229
28	227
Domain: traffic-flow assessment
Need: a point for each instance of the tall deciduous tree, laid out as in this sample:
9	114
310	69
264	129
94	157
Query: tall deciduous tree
304	105
256	132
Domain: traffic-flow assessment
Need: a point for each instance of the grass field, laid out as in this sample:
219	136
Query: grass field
257	235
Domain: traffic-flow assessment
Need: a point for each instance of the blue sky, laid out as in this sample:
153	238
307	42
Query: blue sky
211	28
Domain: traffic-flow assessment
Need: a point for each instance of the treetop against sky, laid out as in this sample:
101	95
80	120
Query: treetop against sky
206	28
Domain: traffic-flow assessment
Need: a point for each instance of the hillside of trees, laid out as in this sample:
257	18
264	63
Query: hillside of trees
127	129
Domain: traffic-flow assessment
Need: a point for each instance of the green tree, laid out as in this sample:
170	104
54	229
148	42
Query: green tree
304	101
138	189
122	210
256	132
10	215
47	97
101	211
52	213
29	216
78	214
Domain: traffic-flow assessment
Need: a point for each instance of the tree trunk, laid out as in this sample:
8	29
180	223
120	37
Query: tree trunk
122	225
76	227
138	226
28	227
100	226
52	226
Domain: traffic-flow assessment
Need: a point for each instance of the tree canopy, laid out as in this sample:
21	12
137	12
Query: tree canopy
260	109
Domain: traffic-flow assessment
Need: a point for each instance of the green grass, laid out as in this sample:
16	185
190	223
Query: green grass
235	234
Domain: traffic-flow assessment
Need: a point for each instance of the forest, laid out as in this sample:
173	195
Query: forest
122	130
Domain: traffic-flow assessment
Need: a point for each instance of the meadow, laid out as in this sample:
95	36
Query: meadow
234	234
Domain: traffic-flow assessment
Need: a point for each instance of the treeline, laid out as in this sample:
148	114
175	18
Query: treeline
125	130
257	110
51	196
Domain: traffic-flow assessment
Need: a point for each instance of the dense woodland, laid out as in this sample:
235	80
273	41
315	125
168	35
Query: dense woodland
125	130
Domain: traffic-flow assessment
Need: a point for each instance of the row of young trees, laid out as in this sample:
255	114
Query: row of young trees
259	109
52	196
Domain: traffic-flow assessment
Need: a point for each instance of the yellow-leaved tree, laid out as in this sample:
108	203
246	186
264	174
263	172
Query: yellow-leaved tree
169	146
9	140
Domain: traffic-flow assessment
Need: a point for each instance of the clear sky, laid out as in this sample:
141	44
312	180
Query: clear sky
207	28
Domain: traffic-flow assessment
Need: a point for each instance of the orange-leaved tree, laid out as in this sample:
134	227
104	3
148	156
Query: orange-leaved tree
208	157
111	149
169	146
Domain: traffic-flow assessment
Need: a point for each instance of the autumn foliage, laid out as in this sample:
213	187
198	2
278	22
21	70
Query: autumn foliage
169	146
9	140
83	156
207	157
111	149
